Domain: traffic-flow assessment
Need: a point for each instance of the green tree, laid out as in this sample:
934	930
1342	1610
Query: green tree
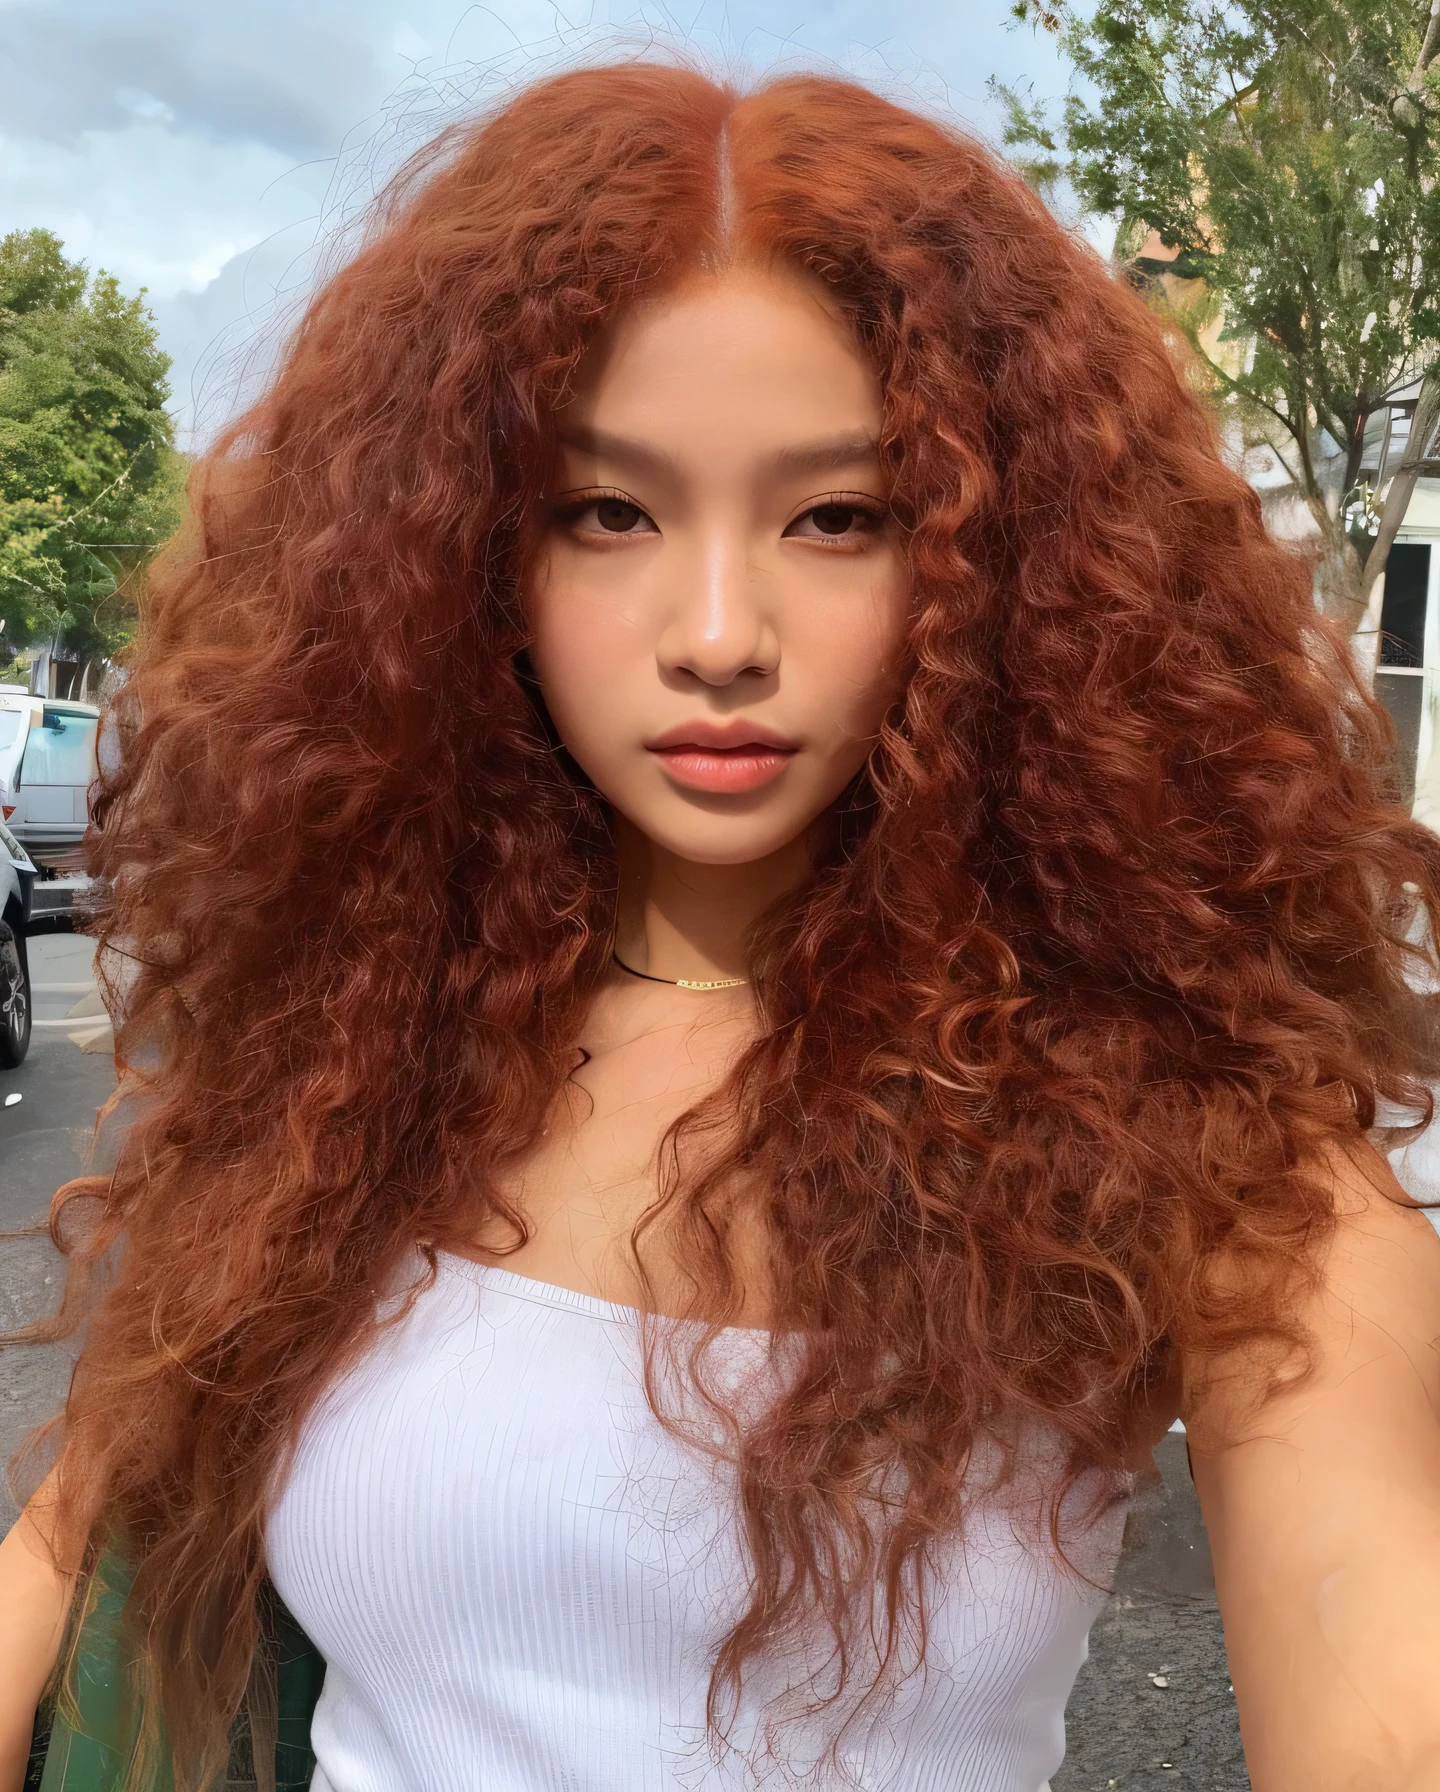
90	479
1286	153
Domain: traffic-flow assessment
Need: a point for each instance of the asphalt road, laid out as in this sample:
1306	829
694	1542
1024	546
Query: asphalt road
44	1139
1124	1730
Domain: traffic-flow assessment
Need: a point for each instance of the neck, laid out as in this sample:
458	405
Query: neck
677	918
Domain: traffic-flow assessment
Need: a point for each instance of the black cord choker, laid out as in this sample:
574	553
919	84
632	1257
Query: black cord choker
682	982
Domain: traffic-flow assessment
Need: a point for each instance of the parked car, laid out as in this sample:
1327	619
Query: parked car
17	881
47	765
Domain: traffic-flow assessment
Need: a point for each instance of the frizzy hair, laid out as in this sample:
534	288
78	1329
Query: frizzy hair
1114	941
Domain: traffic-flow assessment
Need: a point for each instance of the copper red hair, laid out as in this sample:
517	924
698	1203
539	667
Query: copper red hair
1116	934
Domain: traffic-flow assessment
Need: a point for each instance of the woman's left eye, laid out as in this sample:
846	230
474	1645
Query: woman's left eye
617	517
837	519
605	514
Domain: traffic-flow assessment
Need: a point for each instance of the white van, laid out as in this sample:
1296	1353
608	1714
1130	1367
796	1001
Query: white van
47	765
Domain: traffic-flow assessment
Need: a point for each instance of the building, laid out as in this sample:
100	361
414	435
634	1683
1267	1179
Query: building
1407	666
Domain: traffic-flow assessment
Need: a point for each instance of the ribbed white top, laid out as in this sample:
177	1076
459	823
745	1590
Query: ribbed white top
518	1578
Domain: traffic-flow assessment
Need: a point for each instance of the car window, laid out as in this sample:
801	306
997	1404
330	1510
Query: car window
10	721
61	750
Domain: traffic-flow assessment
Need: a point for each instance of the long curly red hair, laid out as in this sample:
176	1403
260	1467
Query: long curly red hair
1117	932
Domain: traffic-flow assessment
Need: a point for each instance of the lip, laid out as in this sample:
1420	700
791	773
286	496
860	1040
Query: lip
729	758
723	736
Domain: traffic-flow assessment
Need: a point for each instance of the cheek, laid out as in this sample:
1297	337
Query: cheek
861	663
583	649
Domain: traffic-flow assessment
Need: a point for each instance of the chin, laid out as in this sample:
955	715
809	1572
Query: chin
717	839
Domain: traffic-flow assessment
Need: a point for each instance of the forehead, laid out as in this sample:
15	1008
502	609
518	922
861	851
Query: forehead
750	351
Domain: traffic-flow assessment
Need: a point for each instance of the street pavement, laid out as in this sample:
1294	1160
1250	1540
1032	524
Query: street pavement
44	1141
1153	1706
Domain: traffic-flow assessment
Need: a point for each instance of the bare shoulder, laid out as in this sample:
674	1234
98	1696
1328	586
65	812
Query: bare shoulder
1380	1270
1319	1477
1366	1187
1374	1300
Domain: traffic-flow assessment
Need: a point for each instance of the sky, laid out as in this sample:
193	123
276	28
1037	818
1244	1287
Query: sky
211	150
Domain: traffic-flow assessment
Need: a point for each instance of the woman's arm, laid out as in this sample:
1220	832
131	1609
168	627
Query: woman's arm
1323	1507
34	1600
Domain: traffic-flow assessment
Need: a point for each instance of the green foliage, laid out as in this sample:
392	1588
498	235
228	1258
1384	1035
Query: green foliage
1030	138
90	480
1289	151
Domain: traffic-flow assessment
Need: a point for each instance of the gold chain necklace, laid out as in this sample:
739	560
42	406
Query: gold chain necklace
682	982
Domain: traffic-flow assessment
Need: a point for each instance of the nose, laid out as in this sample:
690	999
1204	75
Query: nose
719	626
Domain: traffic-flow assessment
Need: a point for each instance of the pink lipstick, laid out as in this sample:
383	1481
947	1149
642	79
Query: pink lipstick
729	758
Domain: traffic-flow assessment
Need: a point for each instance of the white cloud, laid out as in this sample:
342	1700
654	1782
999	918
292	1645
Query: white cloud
289	74
158	207
204	151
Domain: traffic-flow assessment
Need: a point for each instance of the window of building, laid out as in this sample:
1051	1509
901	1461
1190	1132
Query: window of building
1401	683
1402	616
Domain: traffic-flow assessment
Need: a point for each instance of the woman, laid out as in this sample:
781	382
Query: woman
772	931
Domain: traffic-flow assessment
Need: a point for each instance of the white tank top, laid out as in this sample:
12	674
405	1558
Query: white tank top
518	1578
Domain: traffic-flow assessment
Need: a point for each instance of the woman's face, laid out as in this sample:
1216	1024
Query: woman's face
719	603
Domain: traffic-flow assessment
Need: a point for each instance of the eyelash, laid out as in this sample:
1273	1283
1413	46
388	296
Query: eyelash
566	510
571	509
874	513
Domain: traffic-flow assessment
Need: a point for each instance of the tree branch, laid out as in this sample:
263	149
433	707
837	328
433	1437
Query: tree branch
1310	485
1234	386
1429	45
1290	472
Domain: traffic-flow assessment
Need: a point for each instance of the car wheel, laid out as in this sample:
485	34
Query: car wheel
14	998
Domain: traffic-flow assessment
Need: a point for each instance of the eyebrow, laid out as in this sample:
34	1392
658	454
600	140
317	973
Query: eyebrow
825	456
821	456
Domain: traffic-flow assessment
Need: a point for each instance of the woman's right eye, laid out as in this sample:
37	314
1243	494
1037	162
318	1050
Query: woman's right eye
605	514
